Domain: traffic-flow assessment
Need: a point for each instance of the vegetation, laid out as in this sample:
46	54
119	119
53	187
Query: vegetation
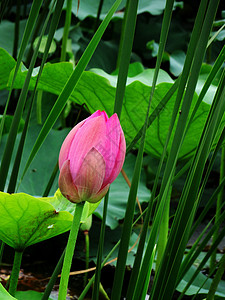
159	65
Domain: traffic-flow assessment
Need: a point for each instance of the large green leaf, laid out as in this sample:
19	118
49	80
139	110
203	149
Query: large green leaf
60	203
7	63
29	295
177	59
87	8
199	285
118	195
36	179
7	31
26	220
97	90
205	70
4	295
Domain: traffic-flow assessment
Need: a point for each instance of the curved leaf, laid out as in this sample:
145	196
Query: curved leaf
26	220
60	203
97	90
4	294
201	284
89	9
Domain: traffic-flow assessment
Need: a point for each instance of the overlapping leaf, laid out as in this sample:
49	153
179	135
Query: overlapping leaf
60	203
97	90
35	181
26	220
4	294
89	9
200	284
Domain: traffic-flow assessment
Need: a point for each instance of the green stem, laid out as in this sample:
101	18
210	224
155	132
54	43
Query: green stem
66	29
82	295
69	252
64	46
86	234
42	16
95	294
17	29
15	272
84	292
122	35
98	14
163	231
218	206
126	48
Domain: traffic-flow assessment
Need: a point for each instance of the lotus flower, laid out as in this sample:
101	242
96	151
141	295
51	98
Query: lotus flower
91	157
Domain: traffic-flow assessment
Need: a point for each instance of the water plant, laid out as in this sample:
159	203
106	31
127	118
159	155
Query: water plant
85	65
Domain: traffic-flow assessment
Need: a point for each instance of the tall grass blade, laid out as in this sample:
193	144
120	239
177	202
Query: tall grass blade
197	248
216	279
181	225
182	83
53	26
17	116
205	259
95	294
163	38
66	30
16	29
70	85
155	113
218	205
106	260
127	43
35	8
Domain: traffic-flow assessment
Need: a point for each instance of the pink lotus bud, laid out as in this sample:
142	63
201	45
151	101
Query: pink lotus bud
91	157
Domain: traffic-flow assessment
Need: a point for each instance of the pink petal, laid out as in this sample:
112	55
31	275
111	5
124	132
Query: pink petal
66	186
63	156
99	195
119	159
110	146
91	175
64	151
99	113
89	136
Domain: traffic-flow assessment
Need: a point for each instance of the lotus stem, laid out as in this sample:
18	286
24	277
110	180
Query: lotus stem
15	272
69	252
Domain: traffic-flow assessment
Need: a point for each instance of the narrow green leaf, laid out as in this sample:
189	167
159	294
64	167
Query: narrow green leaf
205	259
217	278
70	85
36	5
17	116
133	284
187	205
127	43
53	26
164	283
95	294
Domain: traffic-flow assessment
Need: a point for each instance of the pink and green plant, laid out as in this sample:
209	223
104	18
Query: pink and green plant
91	157
179	121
